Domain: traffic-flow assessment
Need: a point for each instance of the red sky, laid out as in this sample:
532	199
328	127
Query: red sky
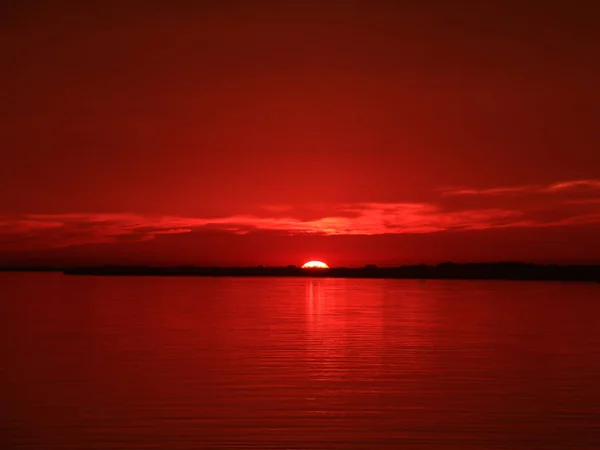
236	132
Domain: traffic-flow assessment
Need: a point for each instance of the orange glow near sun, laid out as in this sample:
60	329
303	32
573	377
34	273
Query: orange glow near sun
315	265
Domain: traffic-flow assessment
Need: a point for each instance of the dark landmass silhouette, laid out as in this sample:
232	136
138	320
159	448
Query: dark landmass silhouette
463	271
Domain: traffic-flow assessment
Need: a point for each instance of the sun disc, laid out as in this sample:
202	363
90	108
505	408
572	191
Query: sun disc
315	265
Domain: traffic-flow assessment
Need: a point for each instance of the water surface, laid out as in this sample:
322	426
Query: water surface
291	363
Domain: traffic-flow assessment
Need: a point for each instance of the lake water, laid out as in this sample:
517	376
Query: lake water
289	363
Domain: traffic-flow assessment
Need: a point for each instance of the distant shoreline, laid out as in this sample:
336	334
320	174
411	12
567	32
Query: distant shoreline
446	271
467	271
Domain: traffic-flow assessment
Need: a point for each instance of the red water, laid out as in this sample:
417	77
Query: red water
289	363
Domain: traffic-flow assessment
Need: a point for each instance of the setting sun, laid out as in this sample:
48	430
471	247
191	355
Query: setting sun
315	265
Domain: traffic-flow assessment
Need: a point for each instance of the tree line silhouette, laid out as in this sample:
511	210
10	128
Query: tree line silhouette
447	270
